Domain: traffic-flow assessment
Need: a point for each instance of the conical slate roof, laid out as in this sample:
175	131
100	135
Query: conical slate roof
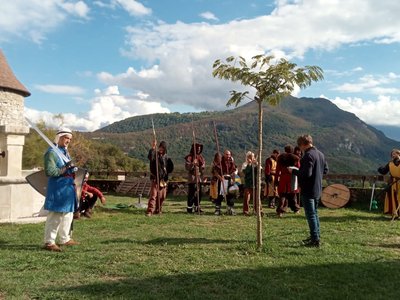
8	80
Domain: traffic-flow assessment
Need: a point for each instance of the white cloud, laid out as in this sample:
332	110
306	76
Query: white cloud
79	8
60	89
209	16
108	106
184	53
373	84
33	19
133	7
381	111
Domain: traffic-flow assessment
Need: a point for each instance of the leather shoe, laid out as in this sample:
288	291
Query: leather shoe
307	240
71	242
87	214
312	243
52	247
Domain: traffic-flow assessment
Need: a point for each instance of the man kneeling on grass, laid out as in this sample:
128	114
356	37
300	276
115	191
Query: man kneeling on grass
88	199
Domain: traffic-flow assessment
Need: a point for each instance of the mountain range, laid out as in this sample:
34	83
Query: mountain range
350	145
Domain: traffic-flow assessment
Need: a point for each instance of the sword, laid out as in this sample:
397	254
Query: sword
50	143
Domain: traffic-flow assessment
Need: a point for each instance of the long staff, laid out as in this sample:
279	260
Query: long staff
196	169
156	158
220	161
254	184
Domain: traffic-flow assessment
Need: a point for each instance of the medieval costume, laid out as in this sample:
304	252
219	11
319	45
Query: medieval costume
270	190
194	165
89	196
158	190
61	200
286	190
249	174
223	171
392	198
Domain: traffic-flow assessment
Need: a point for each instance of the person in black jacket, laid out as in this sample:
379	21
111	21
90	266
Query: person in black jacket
158	190
312	167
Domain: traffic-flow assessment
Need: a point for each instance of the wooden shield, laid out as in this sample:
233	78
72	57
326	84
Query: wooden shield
335	196
39	180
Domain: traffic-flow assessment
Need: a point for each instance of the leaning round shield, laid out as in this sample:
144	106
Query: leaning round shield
335	196
39	180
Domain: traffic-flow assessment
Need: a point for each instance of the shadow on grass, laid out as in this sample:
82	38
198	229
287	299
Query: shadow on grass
180	241
372	280
353	218
22	247
390	246
119	241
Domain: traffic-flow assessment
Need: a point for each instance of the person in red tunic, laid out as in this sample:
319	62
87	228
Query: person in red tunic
88	199
284	181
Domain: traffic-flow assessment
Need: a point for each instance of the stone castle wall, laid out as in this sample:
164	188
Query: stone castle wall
11	109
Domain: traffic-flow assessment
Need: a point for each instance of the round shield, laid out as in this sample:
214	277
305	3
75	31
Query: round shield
234	189
335	196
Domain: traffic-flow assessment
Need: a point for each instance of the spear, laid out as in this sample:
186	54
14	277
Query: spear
156	158
220	162
196	168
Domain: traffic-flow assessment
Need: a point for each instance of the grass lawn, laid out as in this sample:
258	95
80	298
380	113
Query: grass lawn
125	255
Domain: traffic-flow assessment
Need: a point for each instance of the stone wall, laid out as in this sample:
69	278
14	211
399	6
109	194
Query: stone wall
11	109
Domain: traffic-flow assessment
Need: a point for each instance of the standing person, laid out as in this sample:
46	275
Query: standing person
228	171
299	154
89	196
286	190
158	190
217	190
195	165
392	198
270	190
312	167
61	199
249	175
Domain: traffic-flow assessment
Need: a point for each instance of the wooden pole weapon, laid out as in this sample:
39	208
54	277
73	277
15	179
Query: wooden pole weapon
156	158
196	168
220	161
254	183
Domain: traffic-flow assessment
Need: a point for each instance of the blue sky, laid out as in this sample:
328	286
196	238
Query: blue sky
97	62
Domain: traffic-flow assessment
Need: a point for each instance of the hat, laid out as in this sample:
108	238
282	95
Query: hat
197	145
163	144
62	132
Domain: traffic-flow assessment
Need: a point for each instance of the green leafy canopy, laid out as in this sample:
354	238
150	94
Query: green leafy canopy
273	79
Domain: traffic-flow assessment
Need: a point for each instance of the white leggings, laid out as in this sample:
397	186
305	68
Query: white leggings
57	223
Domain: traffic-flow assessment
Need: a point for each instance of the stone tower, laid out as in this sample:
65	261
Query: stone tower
12	122
17	198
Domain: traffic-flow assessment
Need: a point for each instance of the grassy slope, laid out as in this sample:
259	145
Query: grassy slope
125	255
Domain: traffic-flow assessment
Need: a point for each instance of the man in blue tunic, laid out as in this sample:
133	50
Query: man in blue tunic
61	199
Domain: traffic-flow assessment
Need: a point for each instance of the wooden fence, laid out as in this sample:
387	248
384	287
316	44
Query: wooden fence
137	184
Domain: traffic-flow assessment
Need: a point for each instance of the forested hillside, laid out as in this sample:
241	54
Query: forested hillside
351	146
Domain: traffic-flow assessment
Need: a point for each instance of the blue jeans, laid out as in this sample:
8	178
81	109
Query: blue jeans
311	211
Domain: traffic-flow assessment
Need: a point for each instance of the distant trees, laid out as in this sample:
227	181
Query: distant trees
272	80
89	154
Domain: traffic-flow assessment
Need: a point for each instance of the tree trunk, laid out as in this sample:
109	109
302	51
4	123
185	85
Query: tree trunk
258	197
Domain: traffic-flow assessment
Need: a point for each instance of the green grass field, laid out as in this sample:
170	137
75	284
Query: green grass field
125	255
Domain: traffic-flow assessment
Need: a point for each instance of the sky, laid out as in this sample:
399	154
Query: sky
98	62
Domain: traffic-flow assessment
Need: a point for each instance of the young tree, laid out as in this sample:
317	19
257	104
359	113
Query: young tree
272	80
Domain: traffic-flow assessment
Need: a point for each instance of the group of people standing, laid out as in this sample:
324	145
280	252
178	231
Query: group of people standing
280	169
281	187
290	178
